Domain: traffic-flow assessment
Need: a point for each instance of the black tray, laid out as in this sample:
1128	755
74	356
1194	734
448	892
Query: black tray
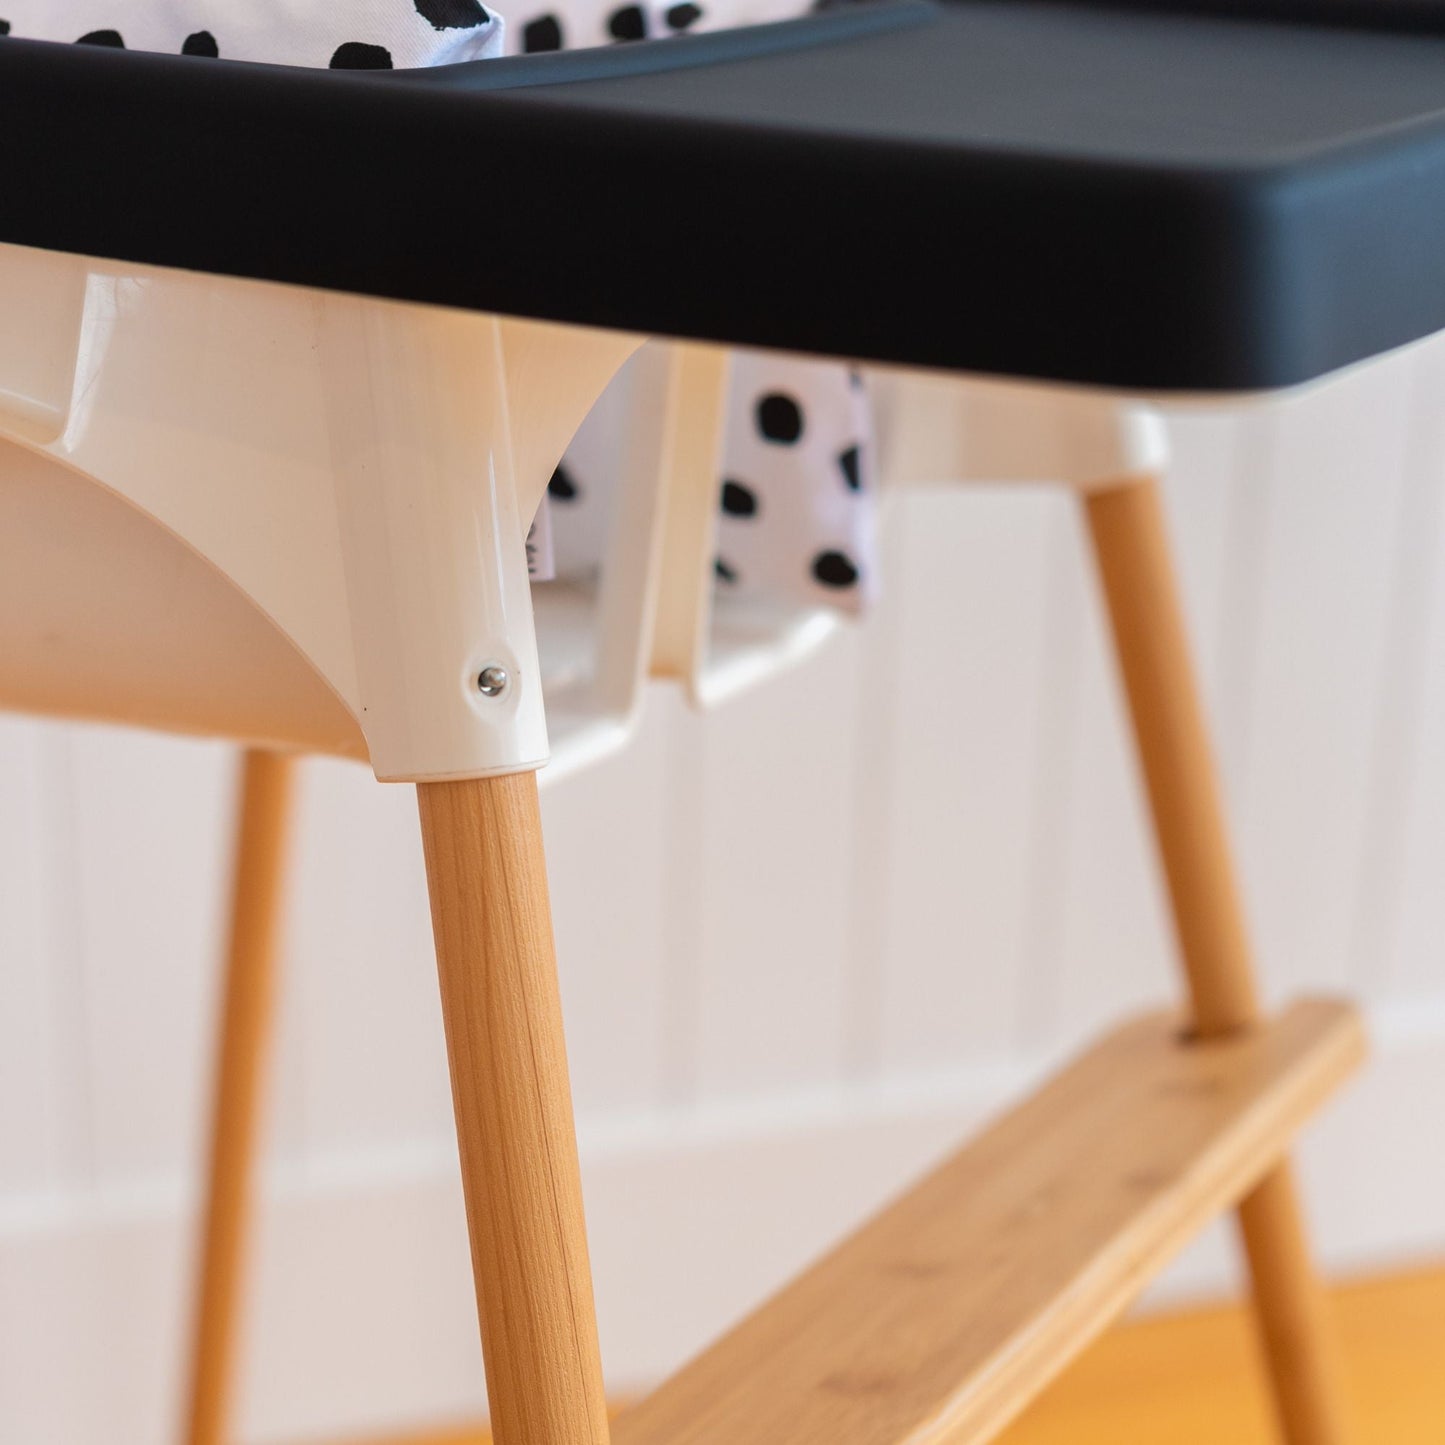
1206	197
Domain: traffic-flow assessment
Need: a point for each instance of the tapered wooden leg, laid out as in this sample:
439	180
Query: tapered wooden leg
1131	547
246	1030
500	1003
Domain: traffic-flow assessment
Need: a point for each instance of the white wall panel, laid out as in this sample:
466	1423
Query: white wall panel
359	952
1228	633
876	825
775	874
1208	469
966	645
1399	919
607	847
1318	662
44	1095
151	840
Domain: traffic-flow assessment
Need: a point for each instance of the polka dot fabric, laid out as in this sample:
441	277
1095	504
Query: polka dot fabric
574	23
356	34
796	505
797	510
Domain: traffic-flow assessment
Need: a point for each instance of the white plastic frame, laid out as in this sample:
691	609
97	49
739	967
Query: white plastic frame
317	503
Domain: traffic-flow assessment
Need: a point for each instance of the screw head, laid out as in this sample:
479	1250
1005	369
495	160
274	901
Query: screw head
492	680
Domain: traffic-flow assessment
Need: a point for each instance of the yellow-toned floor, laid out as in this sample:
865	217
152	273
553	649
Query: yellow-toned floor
1193	1379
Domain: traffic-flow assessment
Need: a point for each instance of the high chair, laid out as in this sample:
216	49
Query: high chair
275	417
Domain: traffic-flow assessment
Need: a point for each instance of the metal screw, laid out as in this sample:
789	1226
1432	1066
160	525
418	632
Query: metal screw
492	680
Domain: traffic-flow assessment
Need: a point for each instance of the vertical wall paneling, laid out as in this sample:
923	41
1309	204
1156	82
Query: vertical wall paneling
1204	472
776	869
37	1044
1399	943
1401	797
606	836
1318	664
681	1002
285	1137
149	861
968	639
63	962
360	945
1230	655
883	721
1053	759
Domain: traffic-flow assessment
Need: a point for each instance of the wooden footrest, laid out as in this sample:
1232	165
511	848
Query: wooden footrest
944	1315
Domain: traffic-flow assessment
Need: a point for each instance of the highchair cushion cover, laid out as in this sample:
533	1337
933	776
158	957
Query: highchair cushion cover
797	508
796	521
355	35
534	26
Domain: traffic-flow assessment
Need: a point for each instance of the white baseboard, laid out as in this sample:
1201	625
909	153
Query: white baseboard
363	1312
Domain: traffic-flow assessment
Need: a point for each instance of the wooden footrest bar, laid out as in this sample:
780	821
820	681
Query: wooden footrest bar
948	1312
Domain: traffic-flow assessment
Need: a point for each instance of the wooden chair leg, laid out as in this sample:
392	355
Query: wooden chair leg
500	1004
246	1029
1130	542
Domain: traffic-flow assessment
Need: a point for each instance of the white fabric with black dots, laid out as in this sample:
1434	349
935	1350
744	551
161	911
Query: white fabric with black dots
796	522
538	25
797	518
797	515
347	34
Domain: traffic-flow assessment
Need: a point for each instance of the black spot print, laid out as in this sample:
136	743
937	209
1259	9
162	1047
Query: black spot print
452	14
628	22
562	487
833	569
855	378
103	37
680	16
738	500
543	33
723	571
780	419
4	27
201	43
356	56
848	464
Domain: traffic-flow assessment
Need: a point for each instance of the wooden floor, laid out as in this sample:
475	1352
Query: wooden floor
1193	1379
